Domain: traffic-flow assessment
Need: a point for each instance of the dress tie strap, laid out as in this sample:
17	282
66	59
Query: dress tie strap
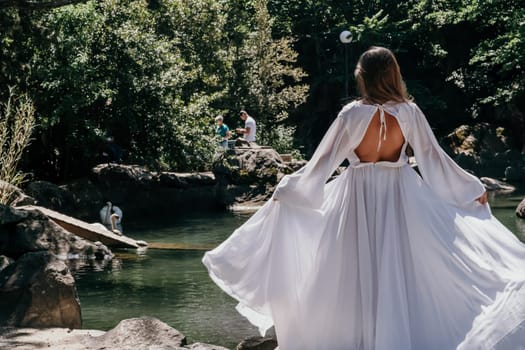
382	128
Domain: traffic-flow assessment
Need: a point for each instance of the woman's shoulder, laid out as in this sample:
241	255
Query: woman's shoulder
406	110
411	104
354	107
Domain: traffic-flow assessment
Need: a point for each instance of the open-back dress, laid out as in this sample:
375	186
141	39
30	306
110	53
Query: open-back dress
380	258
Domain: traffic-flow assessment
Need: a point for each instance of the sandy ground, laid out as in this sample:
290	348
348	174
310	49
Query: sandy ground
52	338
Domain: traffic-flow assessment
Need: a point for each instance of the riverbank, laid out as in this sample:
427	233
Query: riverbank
52	338
40	283
136	333
129	334
240	177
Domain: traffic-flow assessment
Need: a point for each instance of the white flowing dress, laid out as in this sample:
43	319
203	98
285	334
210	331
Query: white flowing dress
380	258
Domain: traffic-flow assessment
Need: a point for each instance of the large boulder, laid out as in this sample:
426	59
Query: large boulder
112	174
52	196
248	175
23	231
141	333
141	193
485	149
258	343
520	209
473	139
185	180
132	334
38	291
135	189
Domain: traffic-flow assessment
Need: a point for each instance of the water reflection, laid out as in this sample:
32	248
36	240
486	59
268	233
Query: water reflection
504	206
171	285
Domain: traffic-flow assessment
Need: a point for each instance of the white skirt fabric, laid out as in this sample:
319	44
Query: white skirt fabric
385	264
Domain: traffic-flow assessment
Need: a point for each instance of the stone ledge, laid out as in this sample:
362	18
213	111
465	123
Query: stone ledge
129	334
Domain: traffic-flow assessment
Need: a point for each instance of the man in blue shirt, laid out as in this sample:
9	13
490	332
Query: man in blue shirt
222	132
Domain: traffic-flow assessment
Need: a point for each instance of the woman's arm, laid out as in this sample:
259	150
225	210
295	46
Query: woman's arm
306	187
438	170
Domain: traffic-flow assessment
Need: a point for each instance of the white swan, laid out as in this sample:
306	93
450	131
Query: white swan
114	229
111	218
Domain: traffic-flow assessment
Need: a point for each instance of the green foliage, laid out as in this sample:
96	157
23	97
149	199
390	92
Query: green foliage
16	126
476	48
371	29
106	71
271	85
154	74
495	73
283	139
458	57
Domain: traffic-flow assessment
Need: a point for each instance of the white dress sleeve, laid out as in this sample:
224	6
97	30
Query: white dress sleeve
305	188
438	170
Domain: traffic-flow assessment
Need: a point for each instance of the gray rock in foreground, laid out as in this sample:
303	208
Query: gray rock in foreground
131	334
140	333
258	343
520	209
144	333
38	291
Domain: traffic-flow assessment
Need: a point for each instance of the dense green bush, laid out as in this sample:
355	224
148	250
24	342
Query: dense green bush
153	74
461	59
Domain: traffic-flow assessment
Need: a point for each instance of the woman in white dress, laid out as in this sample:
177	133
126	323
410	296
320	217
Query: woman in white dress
380	258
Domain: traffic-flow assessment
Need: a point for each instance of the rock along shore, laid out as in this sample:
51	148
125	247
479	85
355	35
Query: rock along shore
130	334
39	304
242	177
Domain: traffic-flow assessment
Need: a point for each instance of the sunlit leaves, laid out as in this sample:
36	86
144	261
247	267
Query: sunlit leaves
17	120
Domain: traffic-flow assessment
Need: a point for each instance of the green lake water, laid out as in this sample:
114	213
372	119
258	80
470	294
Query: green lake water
171	285
174	286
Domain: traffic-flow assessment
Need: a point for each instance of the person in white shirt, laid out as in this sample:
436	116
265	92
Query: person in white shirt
250	127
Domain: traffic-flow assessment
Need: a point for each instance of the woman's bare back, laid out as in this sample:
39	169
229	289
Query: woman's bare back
390	149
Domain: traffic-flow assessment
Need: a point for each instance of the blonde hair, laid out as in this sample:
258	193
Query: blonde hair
379	78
